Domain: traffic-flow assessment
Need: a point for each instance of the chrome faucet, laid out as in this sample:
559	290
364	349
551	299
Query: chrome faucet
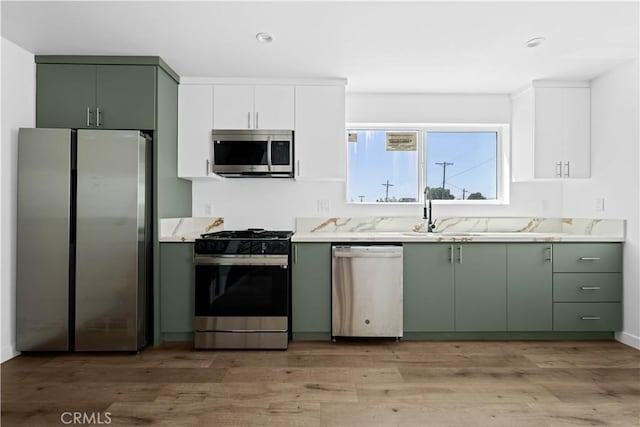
426	211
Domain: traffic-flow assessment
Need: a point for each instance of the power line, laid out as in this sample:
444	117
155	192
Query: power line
473	167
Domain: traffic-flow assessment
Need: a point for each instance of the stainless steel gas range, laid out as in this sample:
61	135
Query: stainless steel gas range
242	289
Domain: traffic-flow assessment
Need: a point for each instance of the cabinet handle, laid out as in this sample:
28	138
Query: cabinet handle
589	258
248	119
590	288
559	169
88	116
549	254
257	126
97	117
207	171
295	254
460	254
590	318
298	168
568	165
450	254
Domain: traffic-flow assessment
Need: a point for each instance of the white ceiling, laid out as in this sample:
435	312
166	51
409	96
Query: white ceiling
378	46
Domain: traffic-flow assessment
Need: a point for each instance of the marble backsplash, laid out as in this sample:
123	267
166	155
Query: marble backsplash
577	226
187	229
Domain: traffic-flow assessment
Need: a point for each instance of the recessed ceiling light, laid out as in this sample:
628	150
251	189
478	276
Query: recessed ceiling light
536	41
264	37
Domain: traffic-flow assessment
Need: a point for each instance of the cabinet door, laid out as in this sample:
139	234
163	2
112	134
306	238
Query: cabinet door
529	287
481	287
428	304
320	132
273	107
65	96
549	132
311	289
195	122
233	107
577	147
177	289
126	97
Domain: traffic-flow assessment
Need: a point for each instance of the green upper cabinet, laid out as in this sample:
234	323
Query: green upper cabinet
428	303
126	96
529	287
96	96
65	96
480	287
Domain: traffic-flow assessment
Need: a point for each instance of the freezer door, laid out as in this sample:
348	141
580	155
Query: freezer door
110	239
43	235
366	291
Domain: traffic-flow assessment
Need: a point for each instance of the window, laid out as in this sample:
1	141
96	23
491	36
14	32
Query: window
459	163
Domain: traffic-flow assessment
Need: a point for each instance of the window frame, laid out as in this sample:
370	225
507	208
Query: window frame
503	157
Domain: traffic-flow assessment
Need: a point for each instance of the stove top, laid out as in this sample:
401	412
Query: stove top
249	234
254	241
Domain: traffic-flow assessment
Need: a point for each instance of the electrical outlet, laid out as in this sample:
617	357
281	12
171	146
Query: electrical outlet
600	204
207	209
545	205
324	205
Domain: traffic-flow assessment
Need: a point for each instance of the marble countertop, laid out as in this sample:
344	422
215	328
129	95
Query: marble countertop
411	236
459	229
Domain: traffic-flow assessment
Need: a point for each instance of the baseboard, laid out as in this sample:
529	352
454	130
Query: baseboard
8	352
628	339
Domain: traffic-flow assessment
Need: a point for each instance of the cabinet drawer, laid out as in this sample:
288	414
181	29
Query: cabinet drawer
587	316
587	257
587	287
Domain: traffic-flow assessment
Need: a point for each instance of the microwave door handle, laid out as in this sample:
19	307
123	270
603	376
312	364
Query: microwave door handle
269	153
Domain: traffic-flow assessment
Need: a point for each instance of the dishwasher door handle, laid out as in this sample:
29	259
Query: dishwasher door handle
368	252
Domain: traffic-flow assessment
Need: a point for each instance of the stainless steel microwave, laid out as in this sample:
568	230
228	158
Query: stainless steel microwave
253	153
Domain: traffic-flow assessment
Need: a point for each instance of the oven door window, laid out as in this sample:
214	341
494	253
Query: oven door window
240	153
241	290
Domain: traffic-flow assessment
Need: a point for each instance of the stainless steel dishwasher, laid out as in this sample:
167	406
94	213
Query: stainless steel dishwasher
366	291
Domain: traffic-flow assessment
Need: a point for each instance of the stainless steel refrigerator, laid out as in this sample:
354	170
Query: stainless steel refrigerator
83	239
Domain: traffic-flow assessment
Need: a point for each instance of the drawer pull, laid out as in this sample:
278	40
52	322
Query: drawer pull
589	258
590	288
590	318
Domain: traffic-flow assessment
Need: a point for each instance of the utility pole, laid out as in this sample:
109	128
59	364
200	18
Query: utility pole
444	172
386	196
361	198
464	191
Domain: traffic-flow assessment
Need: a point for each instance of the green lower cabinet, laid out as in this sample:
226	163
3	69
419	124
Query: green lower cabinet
480	287
311	291
587	316
428	282
529	287
177	287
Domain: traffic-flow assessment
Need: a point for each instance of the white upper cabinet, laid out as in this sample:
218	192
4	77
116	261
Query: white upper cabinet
320	132
253	107
195	122
551	131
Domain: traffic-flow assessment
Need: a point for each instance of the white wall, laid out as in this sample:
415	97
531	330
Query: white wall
18	110
273	203
615	137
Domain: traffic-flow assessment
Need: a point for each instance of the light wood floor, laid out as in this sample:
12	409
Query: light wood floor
412	383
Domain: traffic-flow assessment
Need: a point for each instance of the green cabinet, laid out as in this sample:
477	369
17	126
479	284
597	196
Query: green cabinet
177	290
428	282
587	287
311	291
529	287
96	96
480	287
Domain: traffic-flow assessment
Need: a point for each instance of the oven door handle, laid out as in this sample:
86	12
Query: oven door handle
275	260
